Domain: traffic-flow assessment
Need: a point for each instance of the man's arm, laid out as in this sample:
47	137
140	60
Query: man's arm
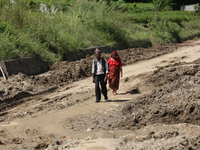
93	78
93	71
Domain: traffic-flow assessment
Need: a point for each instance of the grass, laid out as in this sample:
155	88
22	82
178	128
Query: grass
172	16
26	31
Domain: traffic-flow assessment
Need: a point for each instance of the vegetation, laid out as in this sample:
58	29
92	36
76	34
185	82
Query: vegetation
197	8
57	27
178	2
160	5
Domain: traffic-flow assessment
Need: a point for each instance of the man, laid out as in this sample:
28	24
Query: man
99	75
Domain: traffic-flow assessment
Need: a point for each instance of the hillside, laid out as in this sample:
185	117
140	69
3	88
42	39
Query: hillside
51	29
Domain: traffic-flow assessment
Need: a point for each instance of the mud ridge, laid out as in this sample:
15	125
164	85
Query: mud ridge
177	102
165	118
20	86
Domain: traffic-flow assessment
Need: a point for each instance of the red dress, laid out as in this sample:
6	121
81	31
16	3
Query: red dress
114	73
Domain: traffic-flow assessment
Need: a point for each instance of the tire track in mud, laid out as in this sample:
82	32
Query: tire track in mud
21	97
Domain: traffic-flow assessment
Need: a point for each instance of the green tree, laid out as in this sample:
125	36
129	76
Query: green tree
159	5
197	8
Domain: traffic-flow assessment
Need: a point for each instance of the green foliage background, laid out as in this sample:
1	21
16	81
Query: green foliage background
26	31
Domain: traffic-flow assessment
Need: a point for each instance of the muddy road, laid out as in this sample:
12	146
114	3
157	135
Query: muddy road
157	106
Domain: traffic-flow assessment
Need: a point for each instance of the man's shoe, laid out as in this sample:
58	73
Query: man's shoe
97	101
106	98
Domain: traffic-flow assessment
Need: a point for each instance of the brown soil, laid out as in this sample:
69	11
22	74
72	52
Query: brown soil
177	102
19	86
157	106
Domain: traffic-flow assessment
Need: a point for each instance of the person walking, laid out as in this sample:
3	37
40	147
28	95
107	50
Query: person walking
99	75
115	68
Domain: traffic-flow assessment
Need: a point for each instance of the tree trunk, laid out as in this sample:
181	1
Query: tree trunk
155	17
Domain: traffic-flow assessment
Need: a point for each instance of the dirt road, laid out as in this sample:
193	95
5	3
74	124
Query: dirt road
23	128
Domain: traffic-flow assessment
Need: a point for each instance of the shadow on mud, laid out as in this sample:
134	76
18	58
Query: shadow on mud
134	91
116	101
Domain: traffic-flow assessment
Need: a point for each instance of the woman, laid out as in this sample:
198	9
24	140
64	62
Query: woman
115	67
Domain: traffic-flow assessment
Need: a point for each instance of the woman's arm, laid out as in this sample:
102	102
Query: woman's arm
121	71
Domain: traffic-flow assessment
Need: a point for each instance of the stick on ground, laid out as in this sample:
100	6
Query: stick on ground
4	77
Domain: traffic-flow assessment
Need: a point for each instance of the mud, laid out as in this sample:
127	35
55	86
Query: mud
167	117
174	101
167	74
168	140
65	72
178	102
11	142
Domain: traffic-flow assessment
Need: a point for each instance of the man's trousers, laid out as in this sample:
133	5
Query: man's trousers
100	79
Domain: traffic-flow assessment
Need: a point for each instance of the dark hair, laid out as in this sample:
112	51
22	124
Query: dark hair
97	51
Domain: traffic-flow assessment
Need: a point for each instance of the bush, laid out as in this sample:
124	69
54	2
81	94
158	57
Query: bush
135	7
165	31
14	44
190	29
197	8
